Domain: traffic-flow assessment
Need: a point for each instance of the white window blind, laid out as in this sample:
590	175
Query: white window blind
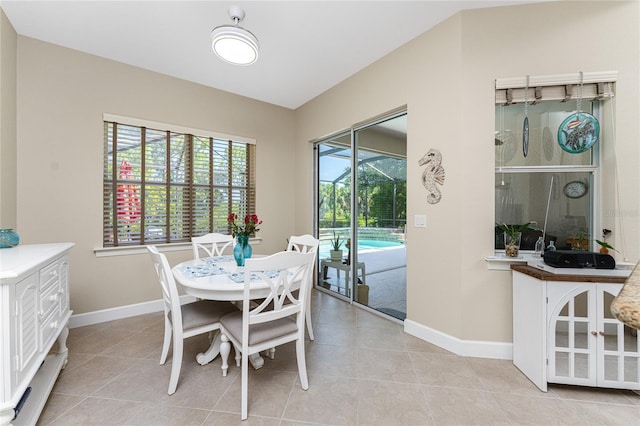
560	87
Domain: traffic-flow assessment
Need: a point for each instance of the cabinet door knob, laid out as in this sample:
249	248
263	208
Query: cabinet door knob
602	333
594	333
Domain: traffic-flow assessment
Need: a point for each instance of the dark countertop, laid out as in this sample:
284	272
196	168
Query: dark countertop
550	276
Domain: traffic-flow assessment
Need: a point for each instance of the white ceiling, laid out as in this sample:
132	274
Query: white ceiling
306	47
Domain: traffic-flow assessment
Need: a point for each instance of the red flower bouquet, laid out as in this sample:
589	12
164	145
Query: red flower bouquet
247	227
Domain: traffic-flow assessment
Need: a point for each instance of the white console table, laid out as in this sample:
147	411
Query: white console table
34	303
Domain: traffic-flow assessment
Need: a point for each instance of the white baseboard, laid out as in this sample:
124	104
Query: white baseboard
470	348
105	315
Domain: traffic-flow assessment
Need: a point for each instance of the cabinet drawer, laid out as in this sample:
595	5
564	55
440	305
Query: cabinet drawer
48	329
50	300
49	275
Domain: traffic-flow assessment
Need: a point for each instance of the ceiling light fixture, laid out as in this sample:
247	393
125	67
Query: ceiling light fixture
233	43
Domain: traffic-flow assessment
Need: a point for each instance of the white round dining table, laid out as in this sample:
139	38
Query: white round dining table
221	279
194	278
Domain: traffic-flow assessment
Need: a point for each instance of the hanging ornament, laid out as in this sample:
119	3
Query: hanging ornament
580	130
500	141
525	125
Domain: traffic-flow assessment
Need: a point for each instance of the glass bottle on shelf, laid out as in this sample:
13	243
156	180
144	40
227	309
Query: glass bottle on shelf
539	247
551	246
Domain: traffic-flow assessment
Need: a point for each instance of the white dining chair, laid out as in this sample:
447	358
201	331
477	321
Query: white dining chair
183	321
277	320
213	244
306	244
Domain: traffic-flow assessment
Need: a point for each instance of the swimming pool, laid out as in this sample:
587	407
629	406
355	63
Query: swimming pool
363	245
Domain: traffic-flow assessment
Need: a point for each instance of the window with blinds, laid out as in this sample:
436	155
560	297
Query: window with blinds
163	186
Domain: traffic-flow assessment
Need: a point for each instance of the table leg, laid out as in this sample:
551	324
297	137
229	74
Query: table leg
206	357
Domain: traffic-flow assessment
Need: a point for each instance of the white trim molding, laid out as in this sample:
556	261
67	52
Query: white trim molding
162	248
468	348
156	125
111	314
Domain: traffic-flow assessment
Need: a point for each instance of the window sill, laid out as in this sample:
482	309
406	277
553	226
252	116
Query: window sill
500	262
163	248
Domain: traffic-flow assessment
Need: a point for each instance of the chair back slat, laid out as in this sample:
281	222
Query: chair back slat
303	243
293	274
170	294
306	244
213	244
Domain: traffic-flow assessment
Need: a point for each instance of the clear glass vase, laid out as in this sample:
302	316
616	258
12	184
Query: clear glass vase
512	244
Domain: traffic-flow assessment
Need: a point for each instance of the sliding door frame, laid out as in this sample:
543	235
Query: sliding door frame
353	232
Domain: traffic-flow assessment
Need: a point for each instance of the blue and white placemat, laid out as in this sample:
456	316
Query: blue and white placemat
217	259
239	276
197	271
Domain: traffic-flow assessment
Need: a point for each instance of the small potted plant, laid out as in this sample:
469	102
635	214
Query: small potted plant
512	238
604	246
335	252
580	241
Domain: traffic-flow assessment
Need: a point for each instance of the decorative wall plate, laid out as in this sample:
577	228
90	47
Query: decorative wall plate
578	132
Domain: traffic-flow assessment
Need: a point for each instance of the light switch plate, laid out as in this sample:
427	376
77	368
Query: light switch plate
420	221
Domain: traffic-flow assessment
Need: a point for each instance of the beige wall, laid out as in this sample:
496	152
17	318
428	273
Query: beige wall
62	96
8	147
446	78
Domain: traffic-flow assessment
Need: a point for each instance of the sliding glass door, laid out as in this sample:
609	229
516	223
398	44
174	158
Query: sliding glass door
333	212
370	162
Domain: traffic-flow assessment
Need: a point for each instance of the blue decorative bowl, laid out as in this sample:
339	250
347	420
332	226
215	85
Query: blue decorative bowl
8	238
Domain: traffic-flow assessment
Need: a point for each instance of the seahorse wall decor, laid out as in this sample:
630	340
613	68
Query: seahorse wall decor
434	173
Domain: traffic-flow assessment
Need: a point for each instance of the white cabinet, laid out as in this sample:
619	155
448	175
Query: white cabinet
34	303
564	332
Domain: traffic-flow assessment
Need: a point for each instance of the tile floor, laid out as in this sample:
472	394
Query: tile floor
363	370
